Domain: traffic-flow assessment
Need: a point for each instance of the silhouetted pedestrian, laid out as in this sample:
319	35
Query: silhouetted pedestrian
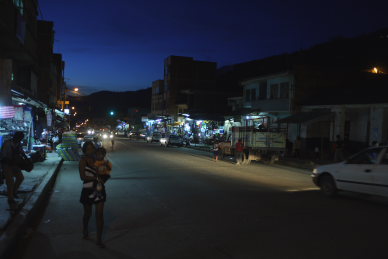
239	151
91	178
12	153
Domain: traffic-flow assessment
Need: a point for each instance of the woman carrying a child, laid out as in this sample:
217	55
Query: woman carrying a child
94	172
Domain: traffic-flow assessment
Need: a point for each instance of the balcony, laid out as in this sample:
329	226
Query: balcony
268	105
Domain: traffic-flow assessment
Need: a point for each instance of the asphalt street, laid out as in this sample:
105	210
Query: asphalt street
178	203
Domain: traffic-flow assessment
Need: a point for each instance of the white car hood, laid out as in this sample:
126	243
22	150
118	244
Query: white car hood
329	168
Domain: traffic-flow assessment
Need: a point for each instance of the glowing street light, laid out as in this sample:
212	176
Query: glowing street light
76	89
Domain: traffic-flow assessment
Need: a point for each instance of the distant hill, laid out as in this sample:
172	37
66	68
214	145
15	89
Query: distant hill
99	104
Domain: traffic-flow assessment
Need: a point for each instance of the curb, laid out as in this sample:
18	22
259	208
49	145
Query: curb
309	166
305	166
206	149
29	211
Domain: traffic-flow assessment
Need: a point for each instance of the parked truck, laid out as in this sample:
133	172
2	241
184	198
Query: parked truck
259	144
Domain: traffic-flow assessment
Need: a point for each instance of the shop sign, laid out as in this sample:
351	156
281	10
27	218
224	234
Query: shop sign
7	112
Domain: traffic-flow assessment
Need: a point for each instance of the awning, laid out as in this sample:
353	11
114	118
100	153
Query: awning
207	117
306	117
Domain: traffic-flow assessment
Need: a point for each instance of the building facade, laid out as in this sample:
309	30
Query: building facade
30	77
189	85
158	98
18	44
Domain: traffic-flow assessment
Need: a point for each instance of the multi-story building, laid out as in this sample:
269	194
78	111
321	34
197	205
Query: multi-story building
30	74
18	45
189	85
59	70
158	99
27	61
336	88
50	65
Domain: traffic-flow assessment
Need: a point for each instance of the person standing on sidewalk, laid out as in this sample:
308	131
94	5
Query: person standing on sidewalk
10	152
90	178
239	151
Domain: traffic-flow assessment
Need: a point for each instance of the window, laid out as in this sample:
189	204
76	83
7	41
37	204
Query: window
284	90
274	91
253	94
247	95
369	156
166	71
20	5
263	90
250	95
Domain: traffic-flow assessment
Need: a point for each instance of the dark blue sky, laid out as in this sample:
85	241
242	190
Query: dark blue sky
120	45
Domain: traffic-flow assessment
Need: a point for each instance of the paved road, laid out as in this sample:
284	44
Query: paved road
178	203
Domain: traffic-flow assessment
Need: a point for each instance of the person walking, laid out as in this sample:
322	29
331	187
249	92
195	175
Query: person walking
11	153
112	141
215	151
239	151
91	179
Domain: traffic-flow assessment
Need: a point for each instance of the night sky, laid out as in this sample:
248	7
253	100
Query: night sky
120	45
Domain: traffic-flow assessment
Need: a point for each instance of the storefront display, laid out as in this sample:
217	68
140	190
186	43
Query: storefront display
9	126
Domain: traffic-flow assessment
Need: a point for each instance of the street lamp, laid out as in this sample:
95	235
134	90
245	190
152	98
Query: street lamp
64	102
67	90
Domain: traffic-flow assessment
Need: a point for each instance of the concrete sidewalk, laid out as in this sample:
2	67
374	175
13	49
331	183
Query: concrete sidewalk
35	187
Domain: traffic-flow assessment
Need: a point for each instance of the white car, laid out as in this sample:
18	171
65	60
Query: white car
164	140
365	172
171	140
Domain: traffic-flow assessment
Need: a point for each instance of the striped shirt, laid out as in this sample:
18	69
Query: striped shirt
89	172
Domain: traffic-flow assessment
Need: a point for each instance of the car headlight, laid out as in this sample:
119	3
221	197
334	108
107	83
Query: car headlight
111	136
315	171
105	136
